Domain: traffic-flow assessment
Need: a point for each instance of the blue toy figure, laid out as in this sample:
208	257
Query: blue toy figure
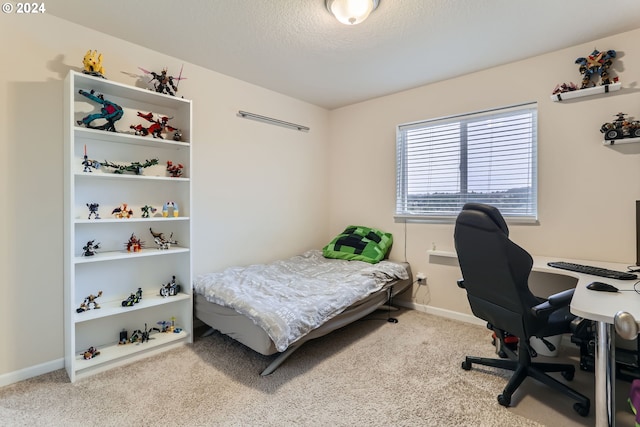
110	112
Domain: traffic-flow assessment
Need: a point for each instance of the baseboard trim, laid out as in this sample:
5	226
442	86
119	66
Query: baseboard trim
468	318
30	372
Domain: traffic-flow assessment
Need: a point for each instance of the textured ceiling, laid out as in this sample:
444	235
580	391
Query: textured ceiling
297	48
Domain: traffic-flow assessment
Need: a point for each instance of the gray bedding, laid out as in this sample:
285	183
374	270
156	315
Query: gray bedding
290	298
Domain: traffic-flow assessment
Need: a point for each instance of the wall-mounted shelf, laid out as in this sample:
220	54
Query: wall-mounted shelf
580	93
620	141
445	254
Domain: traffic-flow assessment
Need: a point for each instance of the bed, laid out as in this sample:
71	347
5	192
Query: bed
274	308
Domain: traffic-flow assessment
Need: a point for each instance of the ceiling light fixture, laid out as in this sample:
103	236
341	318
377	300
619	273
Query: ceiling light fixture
351	12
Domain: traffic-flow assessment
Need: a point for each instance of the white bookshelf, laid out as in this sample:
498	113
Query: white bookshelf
113	270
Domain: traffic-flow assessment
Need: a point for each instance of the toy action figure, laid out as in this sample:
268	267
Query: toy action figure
135	167
147	211
93	210
597	63
90	248
134	244
161	241
122	211
141	336
175	171
110	112
157	128
89	164
92	63
90	353
164	82
89	303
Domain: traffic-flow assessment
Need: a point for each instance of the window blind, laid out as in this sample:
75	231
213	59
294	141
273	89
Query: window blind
484	157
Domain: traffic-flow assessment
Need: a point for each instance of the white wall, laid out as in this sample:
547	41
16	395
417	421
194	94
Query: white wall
259	190
587	191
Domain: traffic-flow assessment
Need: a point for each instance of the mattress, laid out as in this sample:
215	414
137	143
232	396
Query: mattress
241	328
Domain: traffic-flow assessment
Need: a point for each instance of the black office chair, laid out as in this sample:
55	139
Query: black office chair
495	273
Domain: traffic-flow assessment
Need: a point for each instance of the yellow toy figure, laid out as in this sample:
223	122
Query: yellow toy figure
93	64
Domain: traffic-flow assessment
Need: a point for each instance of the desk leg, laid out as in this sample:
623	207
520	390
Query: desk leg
605	363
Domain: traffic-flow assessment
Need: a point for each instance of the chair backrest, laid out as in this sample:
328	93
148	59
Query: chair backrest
495	270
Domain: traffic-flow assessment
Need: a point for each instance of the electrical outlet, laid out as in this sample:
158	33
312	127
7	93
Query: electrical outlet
421	277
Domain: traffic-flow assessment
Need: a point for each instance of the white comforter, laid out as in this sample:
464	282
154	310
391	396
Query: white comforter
290	298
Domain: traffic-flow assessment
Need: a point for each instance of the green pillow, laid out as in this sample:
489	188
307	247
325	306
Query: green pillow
359	243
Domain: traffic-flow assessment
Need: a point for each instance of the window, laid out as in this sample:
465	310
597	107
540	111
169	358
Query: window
484	157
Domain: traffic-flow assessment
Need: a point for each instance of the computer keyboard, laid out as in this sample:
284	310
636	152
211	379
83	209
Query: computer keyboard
596	271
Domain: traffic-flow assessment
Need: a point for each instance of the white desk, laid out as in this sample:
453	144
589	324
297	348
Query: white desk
600	307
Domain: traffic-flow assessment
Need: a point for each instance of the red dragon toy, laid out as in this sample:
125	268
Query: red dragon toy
157	128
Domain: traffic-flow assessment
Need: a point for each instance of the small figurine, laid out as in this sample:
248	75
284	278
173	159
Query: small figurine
147	211
170	289
175	171
621	127
90	353
90	248
122	211
161	241
88	164
133	299
141	336
93	210
164	82
169	327
135	336
596	64
110	112
135	167
165	326
134	244
124	337
562	88
93	64
157	128
173	206
89	303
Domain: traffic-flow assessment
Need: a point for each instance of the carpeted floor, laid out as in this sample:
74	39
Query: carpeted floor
372	373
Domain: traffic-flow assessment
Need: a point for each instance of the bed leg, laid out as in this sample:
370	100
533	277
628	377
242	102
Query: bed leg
278	360
208	332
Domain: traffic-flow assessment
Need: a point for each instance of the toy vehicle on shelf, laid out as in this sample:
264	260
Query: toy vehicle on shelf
170	289
621	127
133	299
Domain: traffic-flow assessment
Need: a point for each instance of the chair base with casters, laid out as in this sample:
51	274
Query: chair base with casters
521	364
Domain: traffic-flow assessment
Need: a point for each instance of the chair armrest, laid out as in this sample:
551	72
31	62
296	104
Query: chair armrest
561	299
555	301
